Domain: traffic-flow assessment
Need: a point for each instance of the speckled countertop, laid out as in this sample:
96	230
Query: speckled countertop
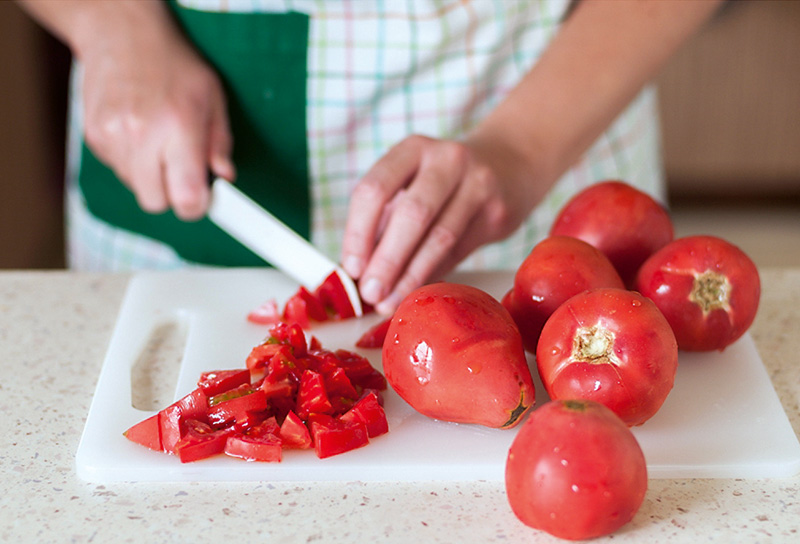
54	331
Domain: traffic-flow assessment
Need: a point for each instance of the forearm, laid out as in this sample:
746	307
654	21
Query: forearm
88	26
602	57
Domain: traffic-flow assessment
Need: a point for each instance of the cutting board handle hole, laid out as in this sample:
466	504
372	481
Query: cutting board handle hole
154	374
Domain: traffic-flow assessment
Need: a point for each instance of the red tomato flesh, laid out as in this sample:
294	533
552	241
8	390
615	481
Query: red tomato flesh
334	436
301	386
219	381
368	411
147	433
374	336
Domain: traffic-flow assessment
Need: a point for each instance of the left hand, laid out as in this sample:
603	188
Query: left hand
424	207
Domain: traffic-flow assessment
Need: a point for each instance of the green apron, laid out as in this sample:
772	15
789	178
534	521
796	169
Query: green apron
261	60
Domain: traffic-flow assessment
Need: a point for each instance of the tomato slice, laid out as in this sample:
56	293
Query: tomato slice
171	420
200	441
312	396
260	443
304	307
359	370
261	354
234	405
375	335
265	314
334	297
267	448
147	433
294	433
219	381
333	436
368	411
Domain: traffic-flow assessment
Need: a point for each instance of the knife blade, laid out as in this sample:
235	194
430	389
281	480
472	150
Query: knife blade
272	240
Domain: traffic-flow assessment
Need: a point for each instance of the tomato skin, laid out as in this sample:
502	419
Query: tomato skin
454	353
611	346
707	288
557	268
626	224
575	470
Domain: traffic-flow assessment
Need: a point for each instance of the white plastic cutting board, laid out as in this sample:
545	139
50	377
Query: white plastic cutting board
722	419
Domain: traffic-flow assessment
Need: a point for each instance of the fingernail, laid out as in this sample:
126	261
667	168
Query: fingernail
353	266
372	290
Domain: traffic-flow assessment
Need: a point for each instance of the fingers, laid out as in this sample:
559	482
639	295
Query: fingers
371	199
429	226
422	225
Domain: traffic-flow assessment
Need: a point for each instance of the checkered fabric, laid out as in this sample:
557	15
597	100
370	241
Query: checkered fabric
380	70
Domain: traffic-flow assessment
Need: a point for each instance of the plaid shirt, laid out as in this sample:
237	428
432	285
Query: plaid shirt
379	71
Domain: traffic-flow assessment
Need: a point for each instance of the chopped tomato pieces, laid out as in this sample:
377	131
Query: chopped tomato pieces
219	381
374	336
293	394
334	436
265	314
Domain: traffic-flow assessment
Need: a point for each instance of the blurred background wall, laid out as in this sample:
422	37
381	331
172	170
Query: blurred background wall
730	106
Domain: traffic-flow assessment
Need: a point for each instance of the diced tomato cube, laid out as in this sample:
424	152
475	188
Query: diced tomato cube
360	371
147	433
296	311
266	448
219	381
338	384
303	307
200	441
265	314
261	354
235	404
171	419
333	436
334	297
260	443
375	335
369	411
294	433
311	395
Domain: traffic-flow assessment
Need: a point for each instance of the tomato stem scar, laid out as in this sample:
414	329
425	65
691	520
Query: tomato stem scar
594	345
711	291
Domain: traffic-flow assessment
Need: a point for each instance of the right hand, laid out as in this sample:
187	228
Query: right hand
155	113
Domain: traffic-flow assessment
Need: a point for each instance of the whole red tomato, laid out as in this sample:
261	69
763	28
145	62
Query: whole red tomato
557	268
626	224
707	288
575	470
453	353
612	346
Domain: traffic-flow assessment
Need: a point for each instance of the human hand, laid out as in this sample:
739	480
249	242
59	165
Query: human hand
155	114
424	207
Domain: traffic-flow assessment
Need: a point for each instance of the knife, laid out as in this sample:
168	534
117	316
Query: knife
269	238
